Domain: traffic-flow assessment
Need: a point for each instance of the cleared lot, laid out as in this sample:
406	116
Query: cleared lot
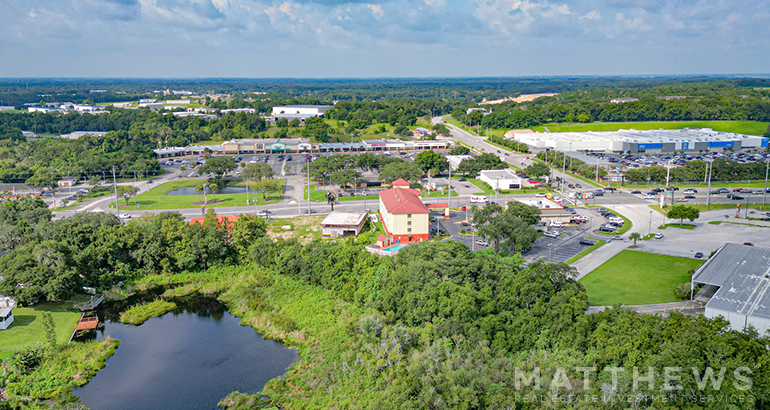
638	278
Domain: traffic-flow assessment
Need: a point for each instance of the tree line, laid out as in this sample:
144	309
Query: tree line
436	327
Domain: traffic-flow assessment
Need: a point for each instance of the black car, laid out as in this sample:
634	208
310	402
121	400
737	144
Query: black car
587	242
288	158
689	197
461	179
699	254
636	192
737	198
673	188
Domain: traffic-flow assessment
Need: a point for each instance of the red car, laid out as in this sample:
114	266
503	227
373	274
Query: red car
737	189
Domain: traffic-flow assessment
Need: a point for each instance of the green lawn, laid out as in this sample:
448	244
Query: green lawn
638	278
484	188
27	327
158	198
585	251
320	195
676	225
742	127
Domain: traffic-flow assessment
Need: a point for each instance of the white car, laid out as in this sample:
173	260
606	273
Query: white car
263	214
649	197
658	236
124	216
557	224
540	195
551	234
689	191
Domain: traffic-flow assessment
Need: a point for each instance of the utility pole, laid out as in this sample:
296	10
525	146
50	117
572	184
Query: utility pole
563	174
308	183
115	186
597	169
668	172
449	201
767	168
710	165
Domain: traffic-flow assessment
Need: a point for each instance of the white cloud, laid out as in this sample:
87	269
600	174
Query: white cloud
594	15
375	8
435	3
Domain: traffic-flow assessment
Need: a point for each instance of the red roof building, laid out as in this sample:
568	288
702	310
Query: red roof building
401	183
220	220
404	216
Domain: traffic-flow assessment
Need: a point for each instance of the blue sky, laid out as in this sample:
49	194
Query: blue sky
409	38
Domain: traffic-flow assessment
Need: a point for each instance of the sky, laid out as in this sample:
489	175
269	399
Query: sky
386	38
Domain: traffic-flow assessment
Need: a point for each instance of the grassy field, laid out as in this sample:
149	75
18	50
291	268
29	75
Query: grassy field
742	127
27	327
158	198
139	314
585	251
638	278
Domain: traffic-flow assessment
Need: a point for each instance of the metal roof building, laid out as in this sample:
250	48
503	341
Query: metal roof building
742	274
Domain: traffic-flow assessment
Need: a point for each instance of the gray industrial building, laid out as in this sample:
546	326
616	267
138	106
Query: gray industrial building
741	276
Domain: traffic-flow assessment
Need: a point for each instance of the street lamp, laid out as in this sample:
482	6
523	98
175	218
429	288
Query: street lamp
649	225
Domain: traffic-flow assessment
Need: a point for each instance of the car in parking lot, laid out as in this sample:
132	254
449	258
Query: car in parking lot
551	234
557	224
607	228
658	236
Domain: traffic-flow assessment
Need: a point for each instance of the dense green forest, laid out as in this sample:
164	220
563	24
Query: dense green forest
436	327
461	90
719	100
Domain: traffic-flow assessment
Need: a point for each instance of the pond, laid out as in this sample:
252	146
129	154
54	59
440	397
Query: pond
187	359
224	190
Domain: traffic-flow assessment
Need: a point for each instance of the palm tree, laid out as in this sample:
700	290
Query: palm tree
635	236
199	189
213	187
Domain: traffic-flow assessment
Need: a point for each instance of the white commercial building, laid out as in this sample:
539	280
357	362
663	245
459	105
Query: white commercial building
650	141
77	134
311	110
45	110
500	179
455	160
742	275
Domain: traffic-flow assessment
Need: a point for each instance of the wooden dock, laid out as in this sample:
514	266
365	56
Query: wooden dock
92	304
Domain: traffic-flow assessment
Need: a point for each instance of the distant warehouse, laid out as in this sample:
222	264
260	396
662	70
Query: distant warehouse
650	141
298	112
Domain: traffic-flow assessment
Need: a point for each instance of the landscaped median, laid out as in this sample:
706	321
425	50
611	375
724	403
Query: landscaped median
585	251
159	198
638	278
680	226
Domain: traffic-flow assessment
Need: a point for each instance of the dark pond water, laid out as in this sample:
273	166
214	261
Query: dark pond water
225	190
187	359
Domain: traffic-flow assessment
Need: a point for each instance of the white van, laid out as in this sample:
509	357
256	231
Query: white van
616	220
475	199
